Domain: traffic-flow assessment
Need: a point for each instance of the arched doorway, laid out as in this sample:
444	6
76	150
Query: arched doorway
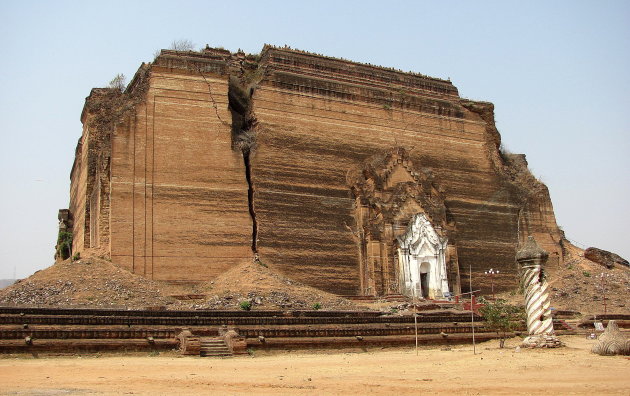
425	268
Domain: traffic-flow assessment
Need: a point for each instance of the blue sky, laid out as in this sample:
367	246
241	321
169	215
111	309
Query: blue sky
558	73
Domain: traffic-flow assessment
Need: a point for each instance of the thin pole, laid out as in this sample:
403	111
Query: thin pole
604	290
415	318
472	308
415	323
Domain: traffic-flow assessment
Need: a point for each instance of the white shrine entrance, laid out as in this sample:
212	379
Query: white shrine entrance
422	260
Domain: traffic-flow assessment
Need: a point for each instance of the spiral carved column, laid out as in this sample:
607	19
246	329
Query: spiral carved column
537	303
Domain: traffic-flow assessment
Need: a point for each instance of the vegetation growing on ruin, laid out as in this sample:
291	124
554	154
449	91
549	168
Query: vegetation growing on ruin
64	244
119	82
182	45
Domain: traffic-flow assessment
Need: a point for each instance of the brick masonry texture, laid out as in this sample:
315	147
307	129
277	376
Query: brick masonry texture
209	158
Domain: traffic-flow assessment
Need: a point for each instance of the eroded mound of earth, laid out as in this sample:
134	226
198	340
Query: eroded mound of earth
89	282
94	282
258	284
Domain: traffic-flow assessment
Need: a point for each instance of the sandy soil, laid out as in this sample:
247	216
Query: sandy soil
572	370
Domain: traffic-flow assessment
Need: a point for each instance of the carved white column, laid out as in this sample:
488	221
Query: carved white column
537	303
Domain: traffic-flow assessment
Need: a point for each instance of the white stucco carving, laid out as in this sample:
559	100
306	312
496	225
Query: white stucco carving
537	302
422	260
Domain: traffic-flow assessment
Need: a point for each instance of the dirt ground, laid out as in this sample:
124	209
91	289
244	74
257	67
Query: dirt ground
572	370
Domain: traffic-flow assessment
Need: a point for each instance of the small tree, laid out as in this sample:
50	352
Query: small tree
64	244
119	82
501	317
182	45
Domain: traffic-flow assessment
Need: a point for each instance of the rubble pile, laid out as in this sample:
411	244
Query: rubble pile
96	282
90	282
263	288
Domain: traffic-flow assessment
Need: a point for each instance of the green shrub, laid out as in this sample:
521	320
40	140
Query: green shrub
317	306
77	256
245	305
64	244
501	317
586	274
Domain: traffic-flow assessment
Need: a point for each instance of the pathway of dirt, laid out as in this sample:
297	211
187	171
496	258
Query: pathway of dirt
566	371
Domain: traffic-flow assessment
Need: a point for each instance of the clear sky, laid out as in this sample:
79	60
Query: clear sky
558	73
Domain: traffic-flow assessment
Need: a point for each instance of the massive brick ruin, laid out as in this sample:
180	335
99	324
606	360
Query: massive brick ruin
353	178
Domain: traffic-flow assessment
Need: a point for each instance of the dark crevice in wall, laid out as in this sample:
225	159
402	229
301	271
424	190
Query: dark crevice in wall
244	139
250	200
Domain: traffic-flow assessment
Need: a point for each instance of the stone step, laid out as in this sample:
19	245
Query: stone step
224	355
213	347
562	324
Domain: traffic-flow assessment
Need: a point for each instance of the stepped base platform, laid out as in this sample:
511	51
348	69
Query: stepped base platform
301	343
71	346
623	322
226	333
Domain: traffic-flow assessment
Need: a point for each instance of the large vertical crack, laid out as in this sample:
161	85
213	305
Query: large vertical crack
244	138
250	200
